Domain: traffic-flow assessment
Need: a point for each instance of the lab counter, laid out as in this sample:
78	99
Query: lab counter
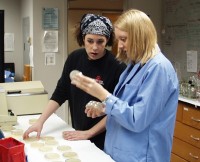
194	102
54	126
186	143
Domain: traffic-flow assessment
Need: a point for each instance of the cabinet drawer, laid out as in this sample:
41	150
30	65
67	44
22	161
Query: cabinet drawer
185	150
175	158
191	117
187	134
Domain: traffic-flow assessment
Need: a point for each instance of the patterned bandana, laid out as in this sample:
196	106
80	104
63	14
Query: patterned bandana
96	24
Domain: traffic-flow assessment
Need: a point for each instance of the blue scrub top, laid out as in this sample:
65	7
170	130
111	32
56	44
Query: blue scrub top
141	112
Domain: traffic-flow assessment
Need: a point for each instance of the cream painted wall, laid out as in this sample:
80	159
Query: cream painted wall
49	75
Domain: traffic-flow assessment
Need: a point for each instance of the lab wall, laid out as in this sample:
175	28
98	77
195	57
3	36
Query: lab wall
15	12
181	36
49	74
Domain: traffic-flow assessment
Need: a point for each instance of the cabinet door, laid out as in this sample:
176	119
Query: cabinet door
175	158
191	116
185	150
113	17
187	134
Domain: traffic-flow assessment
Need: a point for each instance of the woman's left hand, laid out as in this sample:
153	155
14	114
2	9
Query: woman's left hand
95	109
76	135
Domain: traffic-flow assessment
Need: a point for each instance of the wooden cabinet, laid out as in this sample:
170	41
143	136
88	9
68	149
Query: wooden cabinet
176	158
186	142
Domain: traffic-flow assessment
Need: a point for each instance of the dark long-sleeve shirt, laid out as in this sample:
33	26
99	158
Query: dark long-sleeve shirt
105	71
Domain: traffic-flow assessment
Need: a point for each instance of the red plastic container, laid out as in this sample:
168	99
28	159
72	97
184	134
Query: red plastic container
11	150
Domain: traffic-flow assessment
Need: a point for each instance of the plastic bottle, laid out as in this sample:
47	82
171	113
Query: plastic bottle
192	91
189	89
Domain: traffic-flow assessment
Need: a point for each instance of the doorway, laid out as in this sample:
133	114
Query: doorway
113	17
2	79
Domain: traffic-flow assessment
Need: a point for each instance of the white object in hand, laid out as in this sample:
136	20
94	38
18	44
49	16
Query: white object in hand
95	104
73	73
97	108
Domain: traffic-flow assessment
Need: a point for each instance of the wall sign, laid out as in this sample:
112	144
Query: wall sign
50	18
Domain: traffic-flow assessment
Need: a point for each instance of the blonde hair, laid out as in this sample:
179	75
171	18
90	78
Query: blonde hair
142	36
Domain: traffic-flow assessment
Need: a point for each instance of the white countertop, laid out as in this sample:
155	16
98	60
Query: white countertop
194	102
54	126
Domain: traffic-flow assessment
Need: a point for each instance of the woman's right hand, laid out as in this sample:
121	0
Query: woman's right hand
90	86
37	127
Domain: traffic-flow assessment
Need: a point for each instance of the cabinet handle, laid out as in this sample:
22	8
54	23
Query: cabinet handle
195	138
197	120
193	156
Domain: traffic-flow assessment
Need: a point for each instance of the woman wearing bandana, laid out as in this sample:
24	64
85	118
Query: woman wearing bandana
141	111
94	60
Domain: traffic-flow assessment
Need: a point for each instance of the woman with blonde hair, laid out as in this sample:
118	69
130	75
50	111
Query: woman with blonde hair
141	111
